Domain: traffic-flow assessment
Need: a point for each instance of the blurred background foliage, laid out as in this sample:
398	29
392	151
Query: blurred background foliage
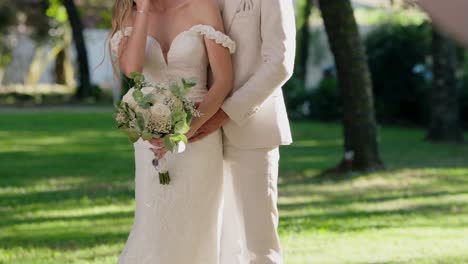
47	24
7	17
397	40
398	45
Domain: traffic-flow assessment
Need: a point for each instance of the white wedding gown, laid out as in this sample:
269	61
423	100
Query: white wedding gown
178	223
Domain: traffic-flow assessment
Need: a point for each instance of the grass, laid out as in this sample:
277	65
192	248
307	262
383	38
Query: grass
66	195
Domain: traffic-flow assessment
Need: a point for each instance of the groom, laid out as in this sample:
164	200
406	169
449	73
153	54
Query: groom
255	124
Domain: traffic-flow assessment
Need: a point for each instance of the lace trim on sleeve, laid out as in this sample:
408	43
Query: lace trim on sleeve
218	36
116	38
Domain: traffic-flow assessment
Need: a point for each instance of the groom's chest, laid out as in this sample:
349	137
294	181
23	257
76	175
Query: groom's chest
241	15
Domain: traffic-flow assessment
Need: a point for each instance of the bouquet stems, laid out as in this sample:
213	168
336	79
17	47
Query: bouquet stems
164	178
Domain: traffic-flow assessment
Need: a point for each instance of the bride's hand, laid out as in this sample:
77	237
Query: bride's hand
159	150
190	133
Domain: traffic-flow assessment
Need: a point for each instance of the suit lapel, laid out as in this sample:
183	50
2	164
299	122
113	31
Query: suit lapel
230	10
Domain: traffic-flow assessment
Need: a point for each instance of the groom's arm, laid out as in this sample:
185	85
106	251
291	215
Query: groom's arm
278	50
278	33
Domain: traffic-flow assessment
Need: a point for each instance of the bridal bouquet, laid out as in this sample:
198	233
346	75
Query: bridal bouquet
150	111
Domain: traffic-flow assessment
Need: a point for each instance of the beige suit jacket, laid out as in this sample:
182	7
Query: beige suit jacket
265	35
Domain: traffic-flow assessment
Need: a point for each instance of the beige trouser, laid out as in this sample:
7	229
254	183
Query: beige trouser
250	217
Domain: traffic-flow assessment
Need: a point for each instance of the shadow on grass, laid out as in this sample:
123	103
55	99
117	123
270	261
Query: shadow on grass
334	200
78	239
359	220
58	197
22	169
89	217
318	147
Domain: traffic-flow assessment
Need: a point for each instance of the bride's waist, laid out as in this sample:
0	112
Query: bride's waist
176	74
197	93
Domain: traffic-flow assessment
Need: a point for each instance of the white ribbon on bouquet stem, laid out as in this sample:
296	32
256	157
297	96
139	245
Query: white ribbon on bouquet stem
163	163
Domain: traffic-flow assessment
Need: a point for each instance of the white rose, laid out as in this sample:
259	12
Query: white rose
128	98
147	90
160	96
160	111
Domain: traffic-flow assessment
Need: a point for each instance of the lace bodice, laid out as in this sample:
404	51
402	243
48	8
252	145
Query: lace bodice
187	57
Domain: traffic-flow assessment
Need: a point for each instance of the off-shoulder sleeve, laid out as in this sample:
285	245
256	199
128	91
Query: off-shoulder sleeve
116	38
218	36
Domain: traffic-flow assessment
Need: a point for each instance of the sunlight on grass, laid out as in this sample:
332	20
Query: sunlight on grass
54	184
67	195
317	143
73	212
411	245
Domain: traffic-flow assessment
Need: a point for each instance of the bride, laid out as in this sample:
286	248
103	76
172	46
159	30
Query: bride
164	40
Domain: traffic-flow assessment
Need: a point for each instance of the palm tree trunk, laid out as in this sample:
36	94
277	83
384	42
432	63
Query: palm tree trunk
445	116
360	128
84	88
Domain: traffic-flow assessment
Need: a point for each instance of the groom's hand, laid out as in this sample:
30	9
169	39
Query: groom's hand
215	123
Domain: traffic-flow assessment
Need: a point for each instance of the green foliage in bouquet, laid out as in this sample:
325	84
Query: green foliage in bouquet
180	117
135	125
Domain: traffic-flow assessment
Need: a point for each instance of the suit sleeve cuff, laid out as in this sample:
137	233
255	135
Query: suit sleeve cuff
236	111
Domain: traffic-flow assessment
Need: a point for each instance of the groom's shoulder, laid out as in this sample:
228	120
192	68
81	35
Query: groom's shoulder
242	5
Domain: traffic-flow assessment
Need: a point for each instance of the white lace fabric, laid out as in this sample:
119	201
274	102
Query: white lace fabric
186	58
178	223
218	36
208	31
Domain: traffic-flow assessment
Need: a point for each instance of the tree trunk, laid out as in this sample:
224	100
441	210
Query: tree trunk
445	116
60	67
84	87
304	43
360	128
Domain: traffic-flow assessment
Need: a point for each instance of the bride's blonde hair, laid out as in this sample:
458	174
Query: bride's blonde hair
121	13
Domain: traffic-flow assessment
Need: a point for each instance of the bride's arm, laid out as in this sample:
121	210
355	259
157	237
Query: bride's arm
131	52
221	67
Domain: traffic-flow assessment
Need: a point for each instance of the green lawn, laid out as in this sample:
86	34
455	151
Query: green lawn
66	195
